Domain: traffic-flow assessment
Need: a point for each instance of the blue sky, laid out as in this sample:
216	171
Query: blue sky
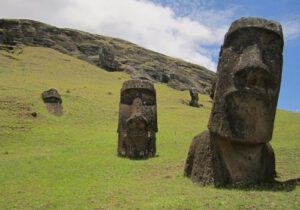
285	11
192	30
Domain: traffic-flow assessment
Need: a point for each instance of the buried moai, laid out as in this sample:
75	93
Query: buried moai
53	101
235	150
194	98
137	119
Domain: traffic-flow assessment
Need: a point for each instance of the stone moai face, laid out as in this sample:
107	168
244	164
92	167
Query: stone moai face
249	75
51	96
137	119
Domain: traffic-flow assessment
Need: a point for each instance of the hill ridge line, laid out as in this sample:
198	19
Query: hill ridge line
111	54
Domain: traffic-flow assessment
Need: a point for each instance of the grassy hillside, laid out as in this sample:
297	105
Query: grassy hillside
70	162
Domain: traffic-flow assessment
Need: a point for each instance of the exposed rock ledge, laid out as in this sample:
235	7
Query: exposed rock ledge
109	53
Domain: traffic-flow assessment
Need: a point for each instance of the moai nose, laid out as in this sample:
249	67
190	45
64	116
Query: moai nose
136	118
251	72
251	58
137	107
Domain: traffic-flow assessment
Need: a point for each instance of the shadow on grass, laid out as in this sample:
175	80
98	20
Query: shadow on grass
137	158
286	186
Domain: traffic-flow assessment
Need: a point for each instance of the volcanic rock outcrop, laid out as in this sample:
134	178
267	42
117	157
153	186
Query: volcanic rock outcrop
236	150
109	53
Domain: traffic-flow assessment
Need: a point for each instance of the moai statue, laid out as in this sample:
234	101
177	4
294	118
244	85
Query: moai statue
194	98
53	101
137	119
212	91
107	59
235	150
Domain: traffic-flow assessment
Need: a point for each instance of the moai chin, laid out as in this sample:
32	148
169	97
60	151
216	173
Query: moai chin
137	119
235	150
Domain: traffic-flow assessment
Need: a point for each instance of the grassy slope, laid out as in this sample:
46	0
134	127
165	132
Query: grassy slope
70	162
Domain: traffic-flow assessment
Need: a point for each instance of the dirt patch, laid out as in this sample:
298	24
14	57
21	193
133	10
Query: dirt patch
55	108
14	106
16	115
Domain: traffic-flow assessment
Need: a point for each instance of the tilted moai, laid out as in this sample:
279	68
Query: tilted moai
53	101
194	98
235	150
137	119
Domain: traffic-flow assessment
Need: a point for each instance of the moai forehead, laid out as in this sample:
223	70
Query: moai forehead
254	22
249	75
138	84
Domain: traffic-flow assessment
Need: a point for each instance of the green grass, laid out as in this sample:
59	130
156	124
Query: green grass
70	162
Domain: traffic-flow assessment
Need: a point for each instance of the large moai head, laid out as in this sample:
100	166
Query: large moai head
249	75
137	119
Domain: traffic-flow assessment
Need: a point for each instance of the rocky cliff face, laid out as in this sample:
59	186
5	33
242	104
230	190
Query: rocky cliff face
109	53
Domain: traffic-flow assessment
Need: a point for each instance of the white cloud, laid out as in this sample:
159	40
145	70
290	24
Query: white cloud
291	28
140	21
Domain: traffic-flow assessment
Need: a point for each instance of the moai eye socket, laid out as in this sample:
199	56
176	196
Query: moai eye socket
129	95
252	78
148	98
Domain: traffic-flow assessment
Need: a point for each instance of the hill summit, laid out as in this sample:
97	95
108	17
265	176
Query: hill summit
109	53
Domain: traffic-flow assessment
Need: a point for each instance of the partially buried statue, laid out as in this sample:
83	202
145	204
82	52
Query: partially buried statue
235	150
194	98
137	119
53	101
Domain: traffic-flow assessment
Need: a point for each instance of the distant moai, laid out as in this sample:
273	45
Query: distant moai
137	119
53	101
235	150
194	98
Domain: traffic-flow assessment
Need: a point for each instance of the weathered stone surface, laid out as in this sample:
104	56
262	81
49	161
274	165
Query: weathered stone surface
137	119
51	96
199	163
2	36
249	75
53	101
107	59
194	98
213	159
235	151
110	53
213	87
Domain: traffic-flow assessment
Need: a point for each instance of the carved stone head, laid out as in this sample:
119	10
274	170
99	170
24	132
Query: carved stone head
51	96
249	75
137	119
